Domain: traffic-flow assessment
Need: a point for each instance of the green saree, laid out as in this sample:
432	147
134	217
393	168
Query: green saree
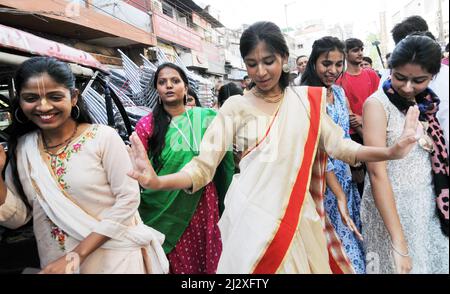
170	212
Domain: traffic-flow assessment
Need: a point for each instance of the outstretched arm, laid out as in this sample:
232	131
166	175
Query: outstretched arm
217	140
401	148
333	142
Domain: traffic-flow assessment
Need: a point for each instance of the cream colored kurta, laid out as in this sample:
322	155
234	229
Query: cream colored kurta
94	172
241	123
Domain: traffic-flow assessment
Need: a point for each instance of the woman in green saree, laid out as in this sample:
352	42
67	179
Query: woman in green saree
171	136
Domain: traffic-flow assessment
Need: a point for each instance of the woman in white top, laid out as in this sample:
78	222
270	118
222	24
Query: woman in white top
405	205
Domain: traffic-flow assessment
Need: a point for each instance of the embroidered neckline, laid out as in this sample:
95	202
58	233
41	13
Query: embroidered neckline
59	162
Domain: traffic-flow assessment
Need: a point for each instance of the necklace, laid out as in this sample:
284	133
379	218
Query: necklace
66	142
269	98
193	148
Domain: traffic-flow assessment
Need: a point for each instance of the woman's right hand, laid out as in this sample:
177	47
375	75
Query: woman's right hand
143	170
403	264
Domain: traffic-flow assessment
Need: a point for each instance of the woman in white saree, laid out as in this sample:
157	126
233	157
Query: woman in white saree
271	223
63	171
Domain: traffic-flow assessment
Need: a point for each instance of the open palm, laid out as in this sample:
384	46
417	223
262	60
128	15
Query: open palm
409	136
143	170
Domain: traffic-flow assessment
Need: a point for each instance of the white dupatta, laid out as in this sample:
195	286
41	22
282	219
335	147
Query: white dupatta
75	221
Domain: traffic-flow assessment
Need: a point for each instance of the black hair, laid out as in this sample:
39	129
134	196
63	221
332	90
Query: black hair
368	59
161	119
418	49
353	43
271	35
321	46
301	56
408	26
245	77
61	73
446	48
194	95
227	91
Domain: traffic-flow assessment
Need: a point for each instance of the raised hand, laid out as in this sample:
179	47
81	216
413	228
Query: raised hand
410	135
143	170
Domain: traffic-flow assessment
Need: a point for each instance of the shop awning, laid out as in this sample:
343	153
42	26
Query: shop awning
15	39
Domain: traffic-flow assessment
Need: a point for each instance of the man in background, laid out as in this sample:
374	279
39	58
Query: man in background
359	84
301	62
245	84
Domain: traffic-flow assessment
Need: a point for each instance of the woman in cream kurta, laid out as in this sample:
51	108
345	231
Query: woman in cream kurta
93	170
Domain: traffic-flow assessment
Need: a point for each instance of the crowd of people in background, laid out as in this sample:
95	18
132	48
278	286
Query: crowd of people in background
336	167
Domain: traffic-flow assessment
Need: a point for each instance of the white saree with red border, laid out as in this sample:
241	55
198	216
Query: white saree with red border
274	221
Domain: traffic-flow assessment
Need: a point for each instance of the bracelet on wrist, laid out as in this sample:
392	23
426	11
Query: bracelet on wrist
398	251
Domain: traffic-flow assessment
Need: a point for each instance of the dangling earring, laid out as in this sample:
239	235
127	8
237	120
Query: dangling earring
159	100
286	68
77	109
16	114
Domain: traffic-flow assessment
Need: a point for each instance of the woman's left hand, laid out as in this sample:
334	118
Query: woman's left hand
68	264
409	136
346	219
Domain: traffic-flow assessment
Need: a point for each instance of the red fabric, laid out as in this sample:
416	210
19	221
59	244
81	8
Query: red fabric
144	129
277	249
199	248
359	88
335	268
